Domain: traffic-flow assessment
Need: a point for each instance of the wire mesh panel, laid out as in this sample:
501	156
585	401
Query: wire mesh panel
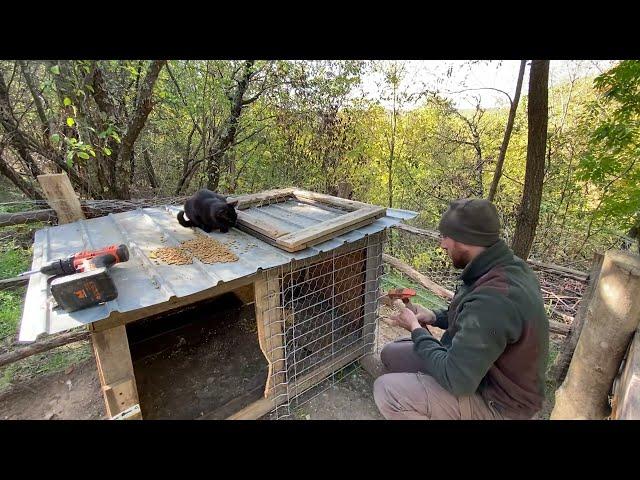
317	316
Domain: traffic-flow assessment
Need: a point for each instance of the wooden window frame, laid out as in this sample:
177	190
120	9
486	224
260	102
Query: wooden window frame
359	214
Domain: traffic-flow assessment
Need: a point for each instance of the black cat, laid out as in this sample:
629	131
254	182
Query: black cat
209	211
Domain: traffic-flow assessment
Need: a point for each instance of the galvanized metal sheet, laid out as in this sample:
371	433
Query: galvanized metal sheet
142	283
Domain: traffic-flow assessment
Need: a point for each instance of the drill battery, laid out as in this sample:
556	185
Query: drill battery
82	290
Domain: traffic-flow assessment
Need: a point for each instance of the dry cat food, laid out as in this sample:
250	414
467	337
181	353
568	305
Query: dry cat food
207	250
204	248
172	255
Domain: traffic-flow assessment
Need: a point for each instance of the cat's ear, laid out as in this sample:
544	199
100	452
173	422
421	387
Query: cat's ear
233	202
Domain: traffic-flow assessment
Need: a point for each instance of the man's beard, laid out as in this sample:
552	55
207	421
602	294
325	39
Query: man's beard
459	260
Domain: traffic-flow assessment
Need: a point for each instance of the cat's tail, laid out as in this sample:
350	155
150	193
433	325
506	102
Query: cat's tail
183	222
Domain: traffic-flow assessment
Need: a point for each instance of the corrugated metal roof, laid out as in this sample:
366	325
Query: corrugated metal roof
142	283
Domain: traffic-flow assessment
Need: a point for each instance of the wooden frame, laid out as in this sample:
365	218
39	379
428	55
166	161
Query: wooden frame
358	215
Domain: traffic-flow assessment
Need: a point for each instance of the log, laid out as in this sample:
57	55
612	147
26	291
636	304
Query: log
611	320
9	283
19	218
43	346
418	277
418	231
561	364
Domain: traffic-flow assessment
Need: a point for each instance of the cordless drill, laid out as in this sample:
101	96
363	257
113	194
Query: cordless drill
82	280
87	260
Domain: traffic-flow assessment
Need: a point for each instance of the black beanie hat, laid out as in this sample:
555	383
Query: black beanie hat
473	221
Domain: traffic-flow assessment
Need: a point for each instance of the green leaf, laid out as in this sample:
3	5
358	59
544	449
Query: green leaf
115	136
66	101
70	121
55	70
92	152
55	138
70	159
83	155
107	151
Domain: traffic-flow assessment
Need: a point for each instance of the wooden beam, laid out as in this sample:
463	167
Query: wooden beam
349	205
248	201
115	369
60	195
19	218
174	303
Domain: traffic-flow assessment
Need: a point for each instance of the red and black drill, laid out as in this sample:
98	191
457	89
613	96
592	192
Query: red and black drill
81	280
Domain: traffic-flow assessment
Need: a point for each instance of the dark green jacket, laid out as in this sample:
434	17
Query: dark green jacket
497	335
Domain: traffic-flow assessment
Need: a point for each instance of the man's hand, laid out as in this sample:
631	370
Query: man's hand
405	318
424	315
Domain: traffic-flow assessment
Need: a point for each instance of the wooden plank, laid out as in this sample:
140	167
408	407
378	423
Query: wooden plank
246	294
248	201
235	405
350	205
257	409
60	195
115	369
372	288
174	303
335	226
18	218
260	226
270	330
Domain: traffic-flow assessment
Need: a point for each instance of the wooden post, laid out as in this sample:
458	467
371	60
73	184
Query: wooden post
60	195
563	360
626	395
115	370
611	320
372	290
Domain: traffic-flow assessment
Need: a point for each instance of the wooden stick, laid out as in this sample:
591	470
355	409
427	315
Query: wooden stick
43	346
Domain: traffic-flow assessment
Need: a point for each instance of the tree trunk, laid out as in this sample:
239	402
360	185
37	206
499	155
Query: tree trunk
151	173
538	117
136	123
226	135
24	186
611	320
563	360
507	134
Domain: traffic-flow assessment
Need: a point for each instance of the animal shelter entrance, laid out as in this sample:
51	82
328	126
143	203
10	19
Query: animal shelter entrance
202	360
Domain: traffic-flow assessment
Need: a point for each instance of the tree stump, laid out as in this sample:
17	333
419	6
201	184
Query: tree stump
612	317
